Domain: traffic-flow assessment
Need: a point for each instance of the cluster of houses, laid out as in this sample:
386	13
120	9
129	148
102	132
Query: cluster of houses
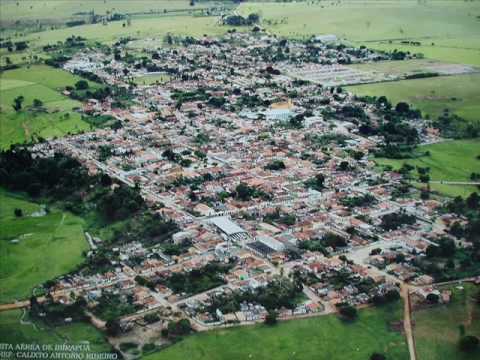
255	164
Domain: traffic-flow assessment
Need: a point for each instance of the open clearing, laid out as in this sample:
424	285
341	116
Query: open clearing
44	83
437	329
13	331
44	246
460	94
451	160
324	337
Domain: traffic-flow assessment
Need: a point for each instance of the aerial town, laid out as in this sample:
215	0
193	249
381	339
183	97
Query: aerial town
238	178
267	177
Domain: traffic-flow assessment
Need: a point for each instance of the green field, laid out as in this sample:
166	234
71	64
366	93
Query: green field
462	50
451	25
460	94
48	246
37	82
325	337
62	9
13	331
449	160
141	27
152	79
437	329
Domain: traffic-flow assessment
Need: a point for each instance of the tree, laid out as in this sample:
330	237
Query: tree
402	108
37	103
392	295
424	178
18	212
316	183
17	103
113	327
179	328
473	201
344	166
457	230
468	343
271	318
81	85
244	192
348	312
377	356
433	298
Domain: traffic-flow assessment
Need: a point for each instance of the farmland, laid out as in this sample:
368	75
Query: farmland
43	83
63	9
140	27
380	22
457	93
35	247
300	339
17	328
441	344
444	164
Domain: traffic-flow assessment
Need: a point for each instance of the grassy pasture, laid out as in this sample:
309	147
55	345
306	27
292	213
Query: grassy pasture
14	332
459	93
450	160
37	82
324	337
64	9
437	329
142	27
461	50
371	20
451	25
48	246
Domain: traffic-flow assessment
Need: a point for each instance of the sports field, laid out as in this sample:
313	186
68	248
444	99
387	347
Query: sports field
152	79
35	247
37	82
324	337
451	160
437	329
17	328
460	94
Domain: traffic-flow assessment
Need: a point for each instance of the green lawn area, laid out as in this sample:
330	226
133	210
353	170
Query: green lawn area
44	83
437	329
14	332
325	337
48	246
140	27
452	160
152	79
460	94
